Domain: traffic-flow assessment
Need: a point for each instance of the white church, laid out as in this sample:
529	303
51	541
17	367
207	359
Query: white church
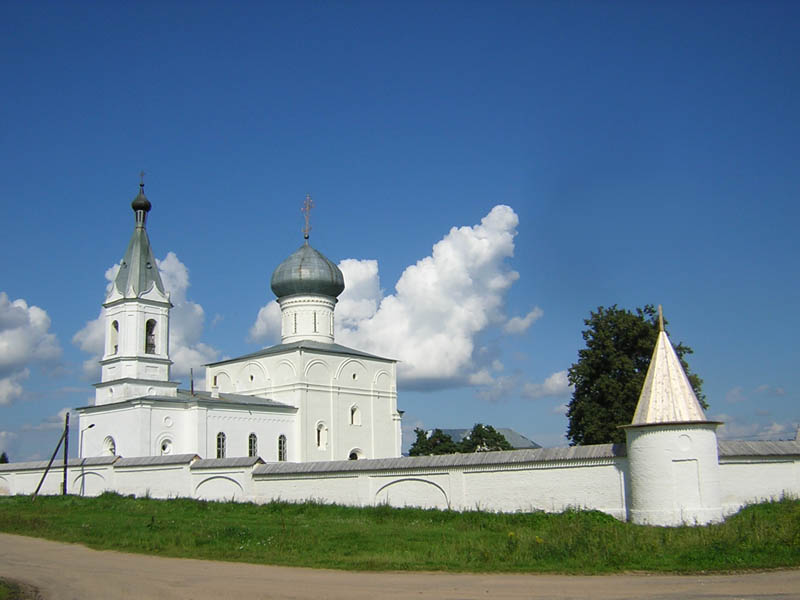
309	419
306	399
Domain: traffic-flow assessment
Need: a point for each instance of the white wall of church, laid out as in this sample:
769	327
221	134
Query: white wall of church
345	404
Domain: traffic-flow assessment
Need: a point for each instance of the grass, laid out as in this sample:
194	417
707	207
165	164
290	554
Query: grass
761	536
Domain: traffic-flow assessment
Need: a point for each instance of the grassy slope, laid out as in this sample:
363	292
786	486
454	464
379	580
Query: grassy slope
384	538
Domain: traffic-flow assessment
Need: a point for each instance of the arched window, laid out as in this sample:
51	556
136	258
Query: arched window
109	446
150	336
355	454
252	445
282	448
166	447
322	436
220	445
355	415
114	341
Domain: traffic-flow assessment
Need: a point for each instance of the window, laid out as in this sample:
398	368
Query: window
220	445
315	321
114	341
282	448
355	454
252	445
109	446
355	415
150	337
166	447
295	322
322	436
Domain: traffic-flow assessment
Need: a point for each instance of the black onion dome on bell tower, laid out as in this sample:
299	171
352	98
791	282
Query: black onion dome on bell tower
307	271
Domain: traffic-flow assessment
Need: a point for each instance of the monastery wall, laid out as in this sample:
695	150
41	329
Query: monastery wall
551	479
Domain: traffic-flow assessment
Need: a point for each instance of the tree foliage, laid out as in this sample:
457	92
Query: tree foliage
482	438
3	458
610	372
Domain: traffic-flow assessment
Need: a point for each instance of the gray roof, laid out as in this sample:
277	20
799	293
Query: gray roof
91	461
222	463
516	439
186	397
138	272
476	459
146	461
730	448
307	271
303	345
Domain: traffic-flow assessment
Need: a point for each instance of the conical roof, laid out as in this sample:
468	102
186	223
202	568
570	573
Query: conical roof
307	271
667	395
138	272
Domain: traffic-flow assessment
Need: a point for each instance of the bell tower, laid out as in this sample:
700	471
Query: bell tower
136	360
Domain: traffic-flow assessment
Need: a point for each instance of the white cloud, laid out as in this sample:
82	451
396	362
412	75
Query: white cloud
735	395
268	324
734	428
556	385
440	304
52	422
521	324
25	340
185	325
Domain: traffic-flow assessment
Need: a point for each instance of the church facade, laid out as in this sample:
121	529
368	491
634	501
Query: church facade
305	399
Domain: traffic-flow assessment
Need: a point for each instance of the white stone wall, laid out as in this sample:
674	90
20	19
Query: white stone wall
324	387
601	483
747	480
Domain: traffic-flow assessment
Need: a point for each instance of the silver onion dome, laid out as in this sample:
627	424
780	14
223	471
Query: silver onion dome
307	271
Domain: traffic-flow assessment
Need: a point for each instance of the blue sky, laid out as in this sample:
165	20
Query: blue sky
648	153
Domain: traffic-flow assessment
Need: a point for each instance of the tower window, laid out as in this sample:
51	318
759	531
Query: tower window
315	321
322	436
114	341
252	445
150	336
220	445
282	448
295	323
355	416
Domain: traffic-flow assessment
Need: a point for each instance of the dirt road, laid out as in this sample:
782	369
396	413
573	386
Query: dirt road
68	571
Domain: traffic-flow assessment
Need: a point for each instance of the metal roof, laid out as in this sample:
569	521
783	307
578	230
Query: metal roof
146	461
91	461
667	395
303	345
221	463
138	272
729	448
307	271
186	397
476	459
516	439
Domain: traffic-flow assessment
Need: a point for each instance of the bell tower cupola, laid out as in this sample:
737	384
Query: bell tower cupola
136	359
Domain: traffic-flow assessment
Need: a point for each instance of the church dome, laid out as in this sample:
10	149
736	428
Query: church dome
141	202
307	271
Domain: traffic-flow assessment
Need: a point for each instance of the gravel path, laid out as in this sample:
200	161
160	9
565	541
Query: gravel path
69	571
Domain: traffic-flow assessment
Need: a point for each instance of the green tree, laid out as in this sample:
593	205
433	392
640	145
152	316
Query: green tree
484	438
3	458
437	443
610	372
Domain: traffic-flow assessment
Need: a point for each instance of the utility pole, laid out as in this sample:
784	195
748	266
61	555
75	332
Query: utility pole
66	451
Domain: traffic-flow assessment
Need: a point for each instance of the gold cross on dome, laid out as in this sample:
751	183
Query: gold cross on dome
308	204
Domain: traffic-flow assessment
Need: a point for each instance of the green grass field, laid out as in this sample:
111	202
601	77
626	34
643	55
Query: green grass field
382	538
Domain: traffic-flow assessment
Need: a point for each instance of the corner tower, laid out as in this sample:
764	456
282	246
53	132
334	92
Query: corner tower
307	285
136	360
672	448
